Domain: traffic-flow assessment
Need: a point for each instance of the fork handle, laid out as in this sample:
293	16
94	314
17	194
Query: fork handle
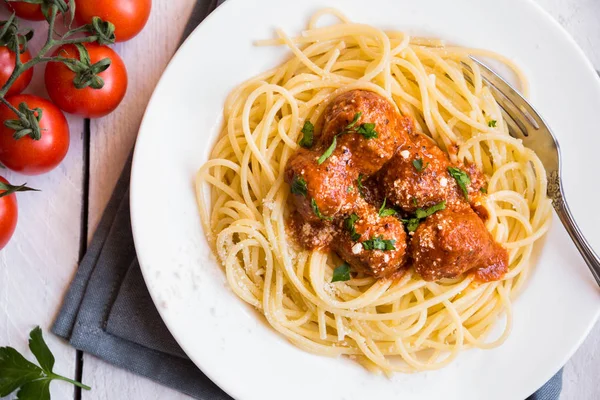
590	257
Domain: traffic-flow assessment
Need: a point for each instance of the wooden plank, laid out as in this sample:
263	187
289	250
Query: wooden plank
38	264
112	138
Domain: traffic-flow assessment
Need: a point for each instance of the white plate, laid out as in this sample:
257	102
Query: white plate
227	339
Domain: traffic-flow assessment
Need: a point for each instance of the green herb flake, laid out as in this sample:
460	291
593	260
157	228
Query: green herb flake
341	273
483	190
360	186
350	189
308	131
349	225
367	130
315	207
462	179
350	126
418	164
386	212
492	123
378	243
328	152
413	223
298	186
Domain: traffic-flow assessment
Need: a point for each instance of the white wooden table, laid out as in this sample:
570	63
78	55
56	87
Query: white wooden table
37	266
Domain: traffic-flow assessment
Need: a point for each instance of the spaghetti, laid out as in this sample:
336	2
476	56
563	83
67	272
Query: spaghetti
403	325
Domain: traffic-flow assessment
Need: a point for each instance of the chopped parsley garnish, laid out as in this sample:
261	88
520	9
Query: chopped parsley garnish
414	201
308	131
298	186
354	121
483	190
349	225
360	185
492	123
317	212
341	273
378	243
328	152
386	212
413	223
462	178
367	130
418	164
350	189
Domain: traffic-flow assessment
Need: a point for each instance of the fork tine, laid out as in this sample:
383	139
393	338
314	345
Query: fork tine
521	104
515	127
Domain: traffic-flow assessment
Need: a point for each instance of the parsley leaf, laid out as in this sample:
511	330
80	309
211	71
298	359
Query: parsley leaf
378	243
36	390
16	372
386	212
413	223
349	225
360	185
341	273
328	152
492	123
483	190
421	214
298	186
349	189
40	350
315	207
350	126
367	130
462	178
418	164
308	131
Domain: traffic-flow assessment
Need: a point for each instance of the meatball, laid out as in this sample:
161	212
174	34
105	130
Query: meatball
450	243
370	153
326	186
417	177
371	244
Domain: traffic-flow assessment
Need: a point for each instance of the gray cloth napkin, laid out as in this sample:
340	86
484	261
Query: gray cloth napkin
108	311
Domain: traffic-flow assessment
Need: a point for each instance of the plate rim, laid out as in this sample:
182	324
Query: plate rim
219	380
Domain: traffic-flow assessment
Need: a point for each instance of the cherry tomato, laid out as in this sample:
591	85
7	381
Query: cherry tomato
29	156
28	11
128	16
8	216
88	102
7	65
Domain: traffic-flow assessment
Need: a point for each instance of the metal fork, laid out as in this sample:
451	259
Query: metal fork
525	123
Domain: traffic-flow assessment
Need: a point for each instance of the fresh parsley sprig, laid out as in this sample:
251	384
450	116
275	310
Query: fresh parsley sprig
379	243
420	214
462	178
341	273
315	208
299	186
308	132
33	382
386	212
366	129
360	186
349	225
418	164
